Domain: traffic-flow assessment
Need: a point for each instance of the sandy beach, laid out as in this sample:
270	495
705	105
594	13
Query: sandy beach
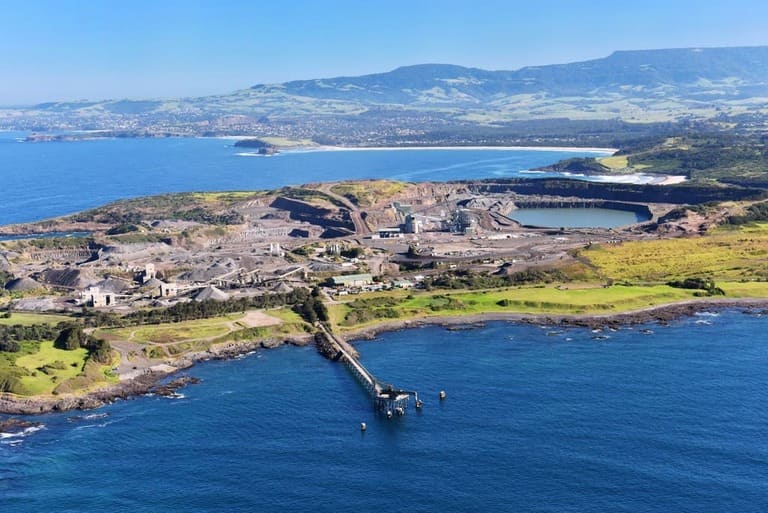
607	151
633	178
640	178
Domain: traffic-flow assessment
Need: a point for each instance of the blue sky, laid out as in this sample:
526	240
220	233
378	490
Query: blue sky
69	49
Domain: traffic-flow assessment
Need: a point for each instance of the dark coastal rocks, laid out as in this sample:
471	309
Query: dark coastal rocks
466	327
14	426
15	405
170	389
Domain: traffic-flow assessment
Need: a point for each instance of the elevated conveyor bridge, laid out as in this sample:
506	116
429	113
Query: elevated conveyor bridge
386	398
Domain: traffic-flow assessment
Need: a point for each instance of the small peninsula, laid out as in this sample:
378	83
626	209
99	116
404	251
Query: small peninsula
151	285
261	147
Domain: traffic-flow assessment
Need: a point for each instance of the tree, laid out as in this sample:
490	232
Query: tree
70	338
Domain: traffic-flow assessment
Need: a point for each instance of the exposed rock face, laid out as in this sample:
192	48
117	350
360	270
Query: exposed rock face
642	193
324	217
642	210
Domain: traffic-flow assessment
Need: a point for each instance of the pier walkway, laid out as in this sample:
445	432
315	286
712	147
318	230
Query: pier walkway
386	398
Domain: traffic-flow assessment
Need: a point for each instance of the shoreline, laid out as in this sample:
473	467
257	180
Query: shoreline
659	314
147	380
324	147
575	149
138	382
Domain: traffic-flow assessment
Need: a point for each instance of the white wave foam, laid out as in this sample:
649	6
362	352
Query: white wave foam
23	433
94	426
96	416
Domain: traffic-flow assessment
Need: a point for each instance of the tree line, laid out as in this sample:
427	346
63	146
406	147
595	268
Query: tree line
306	303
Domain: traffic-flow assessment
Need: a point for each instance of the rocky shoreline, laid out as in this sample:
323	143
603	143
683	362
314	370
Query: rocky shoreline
660	314
148	381
153	381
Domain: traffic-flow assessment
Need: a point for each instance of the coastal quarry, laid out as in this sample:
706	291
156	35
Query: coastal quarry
158	251
153	284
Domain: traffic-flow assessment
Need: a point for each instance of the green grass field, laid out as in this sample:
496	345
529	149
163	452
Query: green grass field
614	163
749	289
27	319
49	367
530	300
199	334
725	255
171	332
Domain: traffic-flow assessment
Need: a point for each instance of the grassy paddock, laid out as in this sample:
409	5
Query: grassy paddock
48	367
749	289
226	198
172	332
725	255
531	300
28	319
198	334
614	163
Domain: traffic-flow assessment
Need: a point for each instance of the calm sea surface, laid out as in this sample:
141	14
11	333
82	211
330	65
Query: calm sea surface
536	419
49	179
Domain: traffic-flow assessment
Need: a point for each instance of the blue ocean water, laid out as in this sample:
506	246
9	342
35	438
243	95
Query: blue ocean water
49	179
536	419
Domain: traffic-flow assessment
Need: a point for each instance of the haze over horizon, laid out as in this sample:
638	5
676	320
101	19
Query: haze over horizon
70	50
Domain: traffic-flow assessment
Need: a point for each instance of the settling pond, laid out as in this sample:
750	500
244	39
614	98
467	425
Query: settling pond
577	217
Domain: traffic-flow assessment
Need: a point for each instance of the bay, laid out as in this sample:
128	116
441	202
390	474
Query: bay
536	419
43	180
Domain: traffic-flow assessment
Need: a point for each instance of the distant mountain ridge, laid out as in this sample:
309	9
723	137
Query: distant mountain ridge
739	71
444	102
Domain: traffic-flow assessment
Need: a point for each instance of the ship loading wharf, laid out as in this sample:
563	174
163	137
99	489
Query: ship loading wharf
386	398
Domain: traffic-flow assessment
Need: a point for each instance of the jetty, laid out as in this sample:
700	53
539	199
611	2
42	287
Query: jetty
386	398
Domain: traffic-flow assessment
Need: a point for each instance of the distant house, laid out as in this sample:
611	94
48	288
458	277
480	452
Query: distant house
402	284
159	288
97	298
149	273
169	289
352	280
